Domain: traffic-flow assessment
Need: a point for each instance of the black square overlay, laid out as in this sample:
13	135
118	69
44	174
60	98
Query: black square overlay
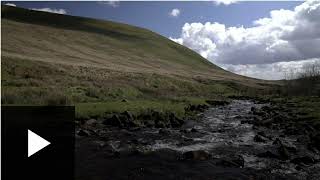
53	123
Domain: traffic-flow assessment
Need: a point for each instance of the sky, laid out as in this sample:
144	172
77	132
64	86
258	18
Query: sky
256	39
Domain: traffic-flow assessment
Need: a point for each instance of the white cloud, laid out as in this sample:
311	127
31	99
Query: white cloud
175	12
115	3
271	71
225	2
285	36
57	11
10	4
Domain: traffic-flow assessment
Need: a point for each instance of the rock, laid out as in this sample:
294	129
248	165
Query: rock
124	119
246	122
134	129
283	152
292	130
128	115
284	149
200	107
175	121
216	102
114	121
289	147
167	154
257	112
258	138
257	118
83	132
133	123
164	131
160	124
184	131
303	159
196	155
186	139
253	109
266	109
315	141
279	118
188	124
268	154
277	142
266	122
91	122
262	133
149	123
100	144
236	162
194	130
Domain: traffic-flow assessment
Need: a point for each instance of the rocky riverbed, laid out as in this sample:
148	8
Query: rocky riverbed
244	139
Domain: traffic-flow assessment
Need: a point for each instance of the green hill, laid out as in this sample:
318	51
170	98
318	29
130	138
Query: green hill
55	59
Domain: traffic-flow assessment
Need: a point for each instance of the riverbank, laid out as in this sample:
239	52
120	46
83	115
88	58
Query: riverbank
242	140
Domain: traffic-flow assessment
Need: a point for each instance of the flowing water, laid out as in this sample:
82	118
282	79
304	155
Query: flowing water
218	131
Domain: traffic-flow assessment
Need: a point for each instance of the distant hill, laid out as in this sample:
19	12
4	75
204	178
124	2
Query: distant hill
69	53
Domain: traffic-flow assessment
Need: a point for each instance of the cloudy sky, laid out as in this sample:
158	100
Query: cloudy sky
257	39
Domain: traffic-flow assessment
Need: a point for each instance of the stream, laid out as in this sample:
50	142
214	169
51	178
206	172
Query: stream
222	143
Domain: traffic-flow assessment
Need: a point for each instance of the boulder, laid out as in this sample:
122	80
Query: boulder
283	152
266	122
246	122
114	121
164	131
315	141
268	154
199	107
303	159
128	115
194	130
235	162
167	154
91	122
83	132
196	155
175	122
160	124
217	102
266	109
259	138
262	133
149	123
288	146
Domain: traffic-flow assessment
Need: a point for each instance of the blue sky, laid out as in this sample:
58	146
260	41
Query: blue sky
155	15
257	39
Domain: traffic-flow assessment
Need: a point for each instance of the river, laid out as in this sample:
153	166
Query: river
223	143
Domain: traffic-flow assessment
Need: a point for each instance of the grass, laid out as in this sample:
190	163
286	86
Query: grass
32	81
113	46
100	92
308	108
99	110
44	62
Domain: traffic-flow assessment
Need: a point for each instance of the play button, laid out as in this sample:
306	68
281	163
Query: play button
35	143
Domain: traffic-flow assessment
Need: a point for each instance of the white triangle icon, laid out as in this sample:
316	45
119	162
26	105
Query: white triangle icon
35	143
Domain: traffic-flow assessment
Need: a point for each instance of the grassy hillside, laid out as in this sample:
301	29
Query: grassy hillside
57	59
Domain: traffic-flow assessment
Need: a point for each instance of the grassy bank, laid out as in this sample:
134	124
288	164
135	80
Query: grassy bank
99	110
307	107
95	92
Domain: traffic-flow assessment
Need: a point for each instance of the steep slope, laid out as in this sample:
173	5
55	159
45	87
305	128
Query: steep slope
81	41
95	60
